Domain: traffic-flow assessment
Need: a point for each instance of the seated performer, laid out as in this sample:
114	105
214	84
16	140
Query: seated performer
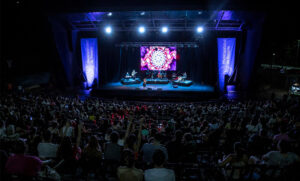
159	75
174	76
133	74
184	77
127	76
144	82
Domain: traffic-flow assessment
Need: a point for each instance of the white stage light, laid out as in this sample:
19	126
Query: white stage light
164	29
108	30
142	29
109	14
200	29
143	13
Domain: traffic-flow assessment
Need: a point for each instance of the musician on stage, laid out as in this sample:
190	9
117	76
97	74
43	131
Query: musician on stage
127	76
184	77
159	75
144	82
133	73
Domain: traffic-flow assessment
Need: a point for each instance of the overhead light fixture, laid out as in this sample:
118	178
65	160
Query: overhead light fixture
142	29
108	30
109	14
143	13
164	29
200	29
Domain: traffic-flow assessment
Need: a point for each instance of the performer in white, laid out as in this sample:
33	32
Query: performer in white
184	76
133	73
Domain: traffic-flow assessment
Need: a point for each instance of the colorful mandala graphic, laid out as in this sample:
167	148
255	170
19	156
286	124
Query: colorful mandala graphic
158	58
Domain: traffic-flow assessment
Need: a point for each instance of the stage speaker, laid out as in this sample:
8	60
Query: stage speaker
175	86
149	89
159	89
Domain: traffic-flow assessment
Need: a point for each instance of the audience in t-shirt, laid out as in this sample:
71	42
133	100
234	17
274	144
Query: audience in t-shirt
159	173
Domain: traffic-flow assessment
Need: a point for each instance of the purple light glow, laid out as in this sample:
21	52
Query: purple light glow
226	59
89	52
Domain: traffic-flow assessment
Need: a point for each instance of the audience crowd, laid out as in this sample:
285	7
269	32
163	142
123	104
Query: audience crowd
60	137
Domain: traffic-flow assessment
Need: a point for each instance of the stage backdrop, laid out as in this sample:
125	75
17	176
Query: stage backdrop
89	53
226	59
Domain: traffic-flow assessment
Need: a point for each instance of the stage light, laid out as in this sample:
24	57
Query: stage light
142	29
164	29
109	14
200	29
274	54
108	30
143	13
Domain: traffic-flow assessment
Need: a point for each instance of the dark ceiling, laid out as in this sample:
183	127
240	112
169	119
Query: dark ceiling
153	20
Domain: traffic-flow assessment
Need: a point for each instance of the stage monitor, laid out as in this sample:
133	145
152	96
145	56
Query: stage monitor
158	58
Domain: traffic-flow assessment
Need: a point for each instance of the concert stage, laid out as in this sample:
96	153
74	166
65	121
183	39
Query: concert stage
164	92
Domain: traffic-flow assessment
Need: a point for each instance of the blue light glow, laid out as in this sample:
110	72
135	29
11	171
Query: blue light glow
164	29
200	29
108	30
226	59
89	53
142	29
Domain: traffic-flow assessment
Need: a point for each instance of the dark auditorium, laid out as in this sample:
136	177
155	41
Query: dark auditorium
161	90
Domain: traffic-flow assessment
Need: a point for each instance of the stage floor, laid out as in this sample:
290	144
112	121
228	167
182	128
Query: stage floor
164	87
157	92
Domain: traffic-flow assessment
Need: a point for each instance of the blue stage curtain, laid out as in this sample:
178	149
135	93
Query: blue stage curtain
226	59
89	53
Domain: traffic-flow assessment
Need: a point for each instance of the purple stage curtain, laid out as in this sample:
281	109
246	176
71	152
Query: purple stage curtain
89	53
226	59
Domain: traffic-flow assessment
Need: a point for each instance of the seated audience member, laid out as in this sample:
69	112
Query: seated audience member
54	129
22	164
282	135
148	149
11	132
128	172
188	148
175	144
236	159
2	129
93	150
121	139
91	155
282	157
46	149
67	129
112	150
159	173
67	155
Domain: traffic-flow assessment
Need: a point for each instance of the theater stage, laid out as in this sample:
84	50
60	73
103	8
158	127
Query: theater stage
156	91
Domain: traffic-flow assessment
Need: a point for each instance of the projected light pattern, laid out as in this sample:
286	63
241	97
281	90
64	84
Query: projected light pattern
158	58
226	59
89	53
